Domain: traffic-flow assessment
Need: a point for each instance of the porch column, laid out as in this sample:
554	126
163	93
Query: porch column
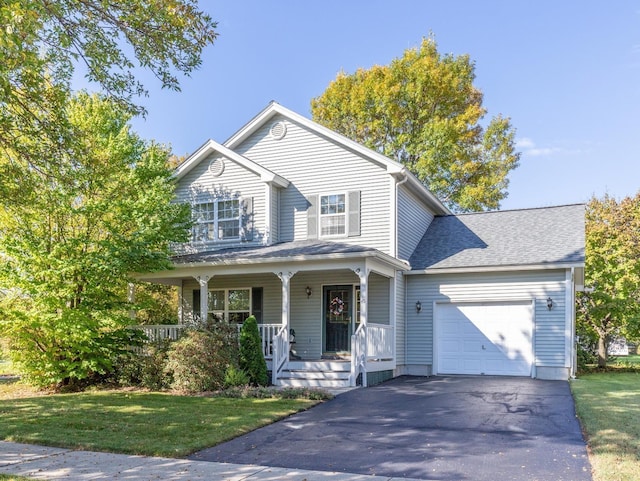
131	299
180	303
363	274
204	297
285	278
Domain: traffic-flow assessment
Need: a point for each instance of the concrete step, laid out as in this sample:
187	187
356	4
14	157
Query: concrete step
321	383
304	374
336	366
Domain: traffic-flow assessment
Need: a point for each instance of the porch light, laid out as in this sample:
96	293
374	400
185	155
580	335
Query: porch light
418	306
549	303
308	291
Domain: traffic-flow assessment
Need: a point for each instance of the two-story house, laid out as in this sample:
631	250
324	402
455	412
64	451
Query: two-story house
357	273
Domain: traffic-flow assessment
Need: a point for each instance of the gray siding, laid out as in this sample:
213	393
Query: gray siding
378	299
549	332
275	214
306	313
199	185
413	220
272	293
316	165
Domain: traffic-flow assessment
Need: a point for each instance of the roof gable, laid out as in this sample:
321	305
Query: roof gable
392	167
550	237
211	146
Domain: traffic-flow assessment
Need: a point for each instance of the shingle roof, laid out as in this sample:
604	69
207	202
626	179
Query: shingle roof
276	251
543	236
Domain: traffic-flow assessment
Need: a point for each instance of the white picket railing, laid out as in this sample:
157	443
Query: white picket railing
379	341
160	332
280	353
358	359
267	334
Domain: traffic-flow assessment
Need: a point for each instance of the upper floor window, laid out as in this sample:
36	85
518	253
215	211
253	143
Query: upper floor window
333	216
216	221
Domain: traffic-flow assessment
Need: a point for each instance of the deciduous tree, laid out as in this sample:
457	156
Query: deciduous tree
424	111
80	225
613	270
43	44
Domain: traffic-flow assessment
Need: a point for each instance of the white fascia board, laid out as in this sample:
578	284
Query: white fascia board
300	259
392	167
421	190
274	108
211	146
511	268
261	265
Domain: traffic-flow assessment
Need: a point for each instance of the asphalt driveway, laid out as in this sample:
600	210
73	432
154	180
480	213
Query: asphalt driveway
441	428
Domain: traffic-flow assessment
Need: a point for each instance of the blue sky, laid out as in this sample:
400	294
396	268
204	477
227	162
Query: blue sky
567	73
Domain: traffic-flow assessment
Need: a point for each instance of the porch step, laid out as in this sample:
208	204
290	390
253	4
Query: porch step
323	374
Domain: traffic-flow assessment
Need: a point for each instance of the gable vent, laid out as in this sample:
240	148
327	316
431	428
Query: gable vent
278	130
216	167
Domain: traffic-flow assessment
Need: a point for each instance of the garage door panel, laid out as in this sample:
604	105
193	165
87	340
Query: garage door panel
492	338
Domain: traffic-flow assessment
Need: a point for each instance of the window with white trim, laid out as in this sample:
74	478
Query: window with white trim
231	305
333	215
216	221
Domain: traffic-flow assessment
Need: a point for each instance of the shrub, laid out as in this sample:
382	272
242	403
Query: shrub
199	360
235	377
251	356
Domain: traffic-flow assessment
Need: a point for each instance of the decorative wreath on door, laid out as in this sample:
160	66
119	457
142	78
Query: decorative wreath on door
336	306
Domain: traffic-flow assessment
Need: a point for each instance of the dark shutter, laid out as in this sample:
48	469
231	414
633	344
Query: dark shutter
246	219
353	222
312	217
196	303
256	303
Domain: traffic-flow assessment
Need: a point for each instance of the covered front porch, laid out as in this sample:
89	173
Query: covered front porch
326	318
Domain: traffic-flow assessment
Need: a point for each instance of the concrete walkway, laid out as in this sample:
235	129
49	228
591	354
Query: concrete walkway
41	462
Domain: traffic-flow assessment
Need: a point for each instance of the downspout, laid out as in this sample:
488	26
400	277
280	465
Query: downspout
405	341
395	226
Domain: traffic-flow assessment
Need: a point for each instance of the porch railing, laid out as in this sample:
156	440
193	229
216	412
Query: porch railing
280	353
160	332
358	360
379	341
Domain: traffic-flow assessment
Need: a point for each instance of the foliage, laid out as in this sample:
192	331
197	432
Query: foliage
76	230
613	269
262	392
235	377
45	45
423	110
608	405
251	358
146	369
154	424
156	304
199	360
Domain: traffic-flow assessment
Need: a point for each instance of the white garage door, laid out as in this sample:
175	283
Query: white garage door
484	338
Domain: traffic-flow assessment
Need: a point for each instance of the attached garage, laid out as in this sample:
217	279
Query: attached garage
484	338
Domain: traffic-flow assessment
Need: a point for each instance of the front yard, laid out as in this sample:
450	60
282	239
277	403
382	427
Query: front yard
133	422
608	405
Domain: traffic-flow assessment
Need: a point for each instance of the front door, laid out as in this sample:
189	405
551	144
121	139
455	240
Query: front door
338	309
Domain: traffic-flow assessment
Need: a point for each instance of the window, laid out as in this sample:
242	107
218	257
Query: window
333	217
216	221
231	305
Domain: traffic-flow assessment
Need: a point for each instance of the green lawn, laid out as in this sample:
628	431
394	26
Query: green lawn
11	477
137	422
608	405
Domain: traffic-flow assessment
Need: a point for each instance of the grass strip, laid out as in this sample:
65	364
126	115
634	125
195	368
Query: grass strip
153	424
608	405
